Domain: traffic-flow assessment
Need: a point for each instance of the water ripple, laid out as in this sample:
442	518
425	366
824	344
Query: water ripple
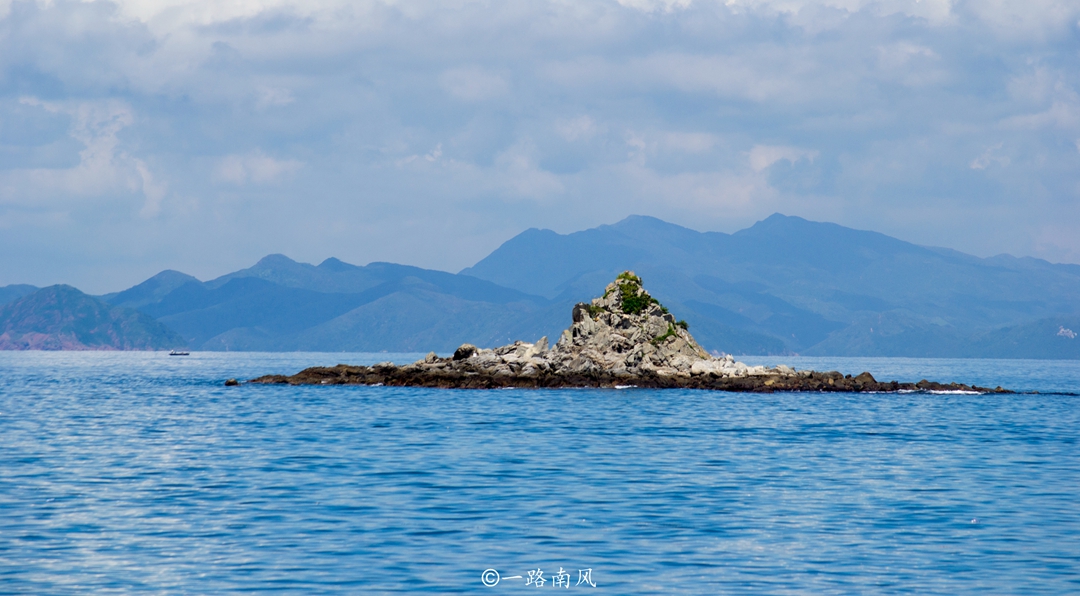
126	473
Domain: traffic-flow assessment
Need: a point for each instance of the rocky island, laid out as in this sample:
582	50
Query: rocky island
624	338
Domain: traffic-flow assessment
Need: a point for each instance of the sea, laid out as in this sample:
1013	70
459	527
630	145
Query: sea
142	473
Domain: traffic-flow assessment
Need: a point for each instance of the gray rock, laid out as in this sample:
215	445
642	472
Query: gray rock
624	333
465	351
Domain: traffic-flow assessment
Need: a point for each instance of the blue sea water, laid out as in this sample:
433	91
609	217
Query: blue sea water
141	473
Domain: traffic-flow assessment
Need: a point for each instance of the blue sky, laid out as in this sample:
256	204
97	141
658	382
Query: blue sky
140	135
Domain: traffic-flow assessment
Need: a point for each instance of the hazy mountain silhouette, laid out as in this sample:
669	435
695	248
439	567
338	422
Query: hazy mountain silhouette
151	290
279	304
783	285
63	318
15	291
819	288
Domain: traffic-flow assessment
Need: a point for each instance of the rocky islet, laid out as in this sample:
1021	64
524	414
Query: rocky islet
623	338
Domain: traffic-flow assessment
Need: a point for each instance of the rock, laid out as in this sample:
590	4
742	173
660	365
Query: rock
580	312
231	383
465	351
624	337
537	349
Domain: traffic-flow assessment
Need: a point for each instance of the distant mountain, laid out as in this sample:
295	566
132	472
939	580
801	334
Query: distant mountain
791	285
14	291
151	290
279	304
63	318
784	285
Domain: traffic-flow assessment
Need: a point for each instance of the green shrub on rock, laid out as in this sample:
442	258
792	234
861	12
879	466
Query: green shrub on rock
632	297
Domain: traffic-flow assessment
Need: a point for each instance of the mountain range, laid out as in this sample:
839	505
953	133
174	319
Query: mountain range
784	285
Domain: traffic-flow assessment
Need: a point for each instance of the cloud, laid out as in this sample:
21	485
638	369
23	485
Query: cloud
813	14
989	157
274	96
153	190
255	168
726	76
431	157
521	175
763	156
144	124
579	128
103	166
655	5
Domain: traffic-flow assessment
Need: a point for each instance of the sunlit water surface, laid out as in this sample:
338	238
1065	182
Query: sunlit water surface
140	472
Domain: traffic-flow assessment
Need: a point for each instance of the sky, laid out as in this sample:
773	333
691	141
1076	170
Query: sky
199	135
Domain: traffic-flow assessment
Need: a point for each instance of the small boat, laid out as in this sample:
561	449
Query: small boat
179	353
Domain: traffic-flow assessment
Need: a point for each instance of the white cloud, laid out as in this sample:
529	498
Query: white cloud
521	176
902	54
153	190
656	5
103	167
638	147
1027	19
726	75
763	156
575	129
274	97
255	168
1036	85
188	13
642	145
989	157
710	196
1062	115
806	12
431	157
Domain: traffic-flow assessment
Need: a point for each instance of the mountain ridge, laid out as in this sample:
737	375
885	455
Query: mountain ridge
280	304
784	285
819	269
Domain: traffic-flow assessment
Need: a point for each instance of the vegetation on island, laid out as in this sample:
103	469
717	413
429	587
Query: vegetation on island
632	297
633	300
